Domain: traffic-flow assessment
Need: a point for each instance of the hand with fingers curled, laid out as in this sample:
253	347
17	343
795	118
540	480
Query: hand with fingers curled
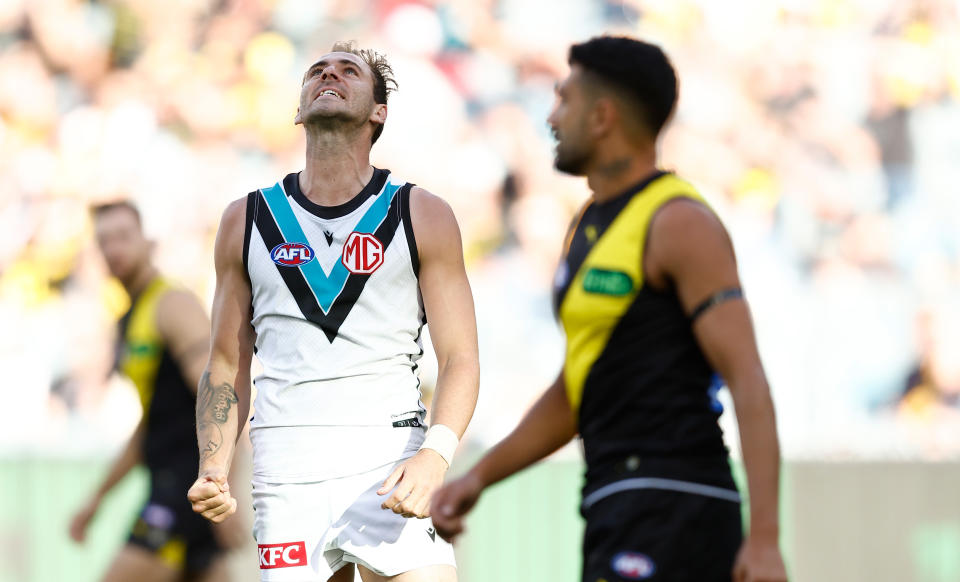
759	560
81	521
413	483
453	502
210	497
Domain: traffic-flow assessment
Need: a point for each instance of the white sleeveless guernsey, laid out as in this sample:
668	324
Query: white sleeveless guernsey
338	315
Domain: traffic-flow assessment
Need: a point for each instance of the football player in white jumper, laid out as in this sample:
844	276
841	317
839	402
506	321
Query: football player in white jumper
329	276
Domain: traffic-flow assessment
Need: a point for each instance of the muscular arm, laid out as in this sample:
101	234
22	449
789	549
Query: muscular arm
448	303
223	396
549	425
186	330
689	250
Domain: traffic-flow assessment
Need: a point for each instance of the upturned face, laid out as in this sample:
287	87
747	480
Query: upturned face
339	87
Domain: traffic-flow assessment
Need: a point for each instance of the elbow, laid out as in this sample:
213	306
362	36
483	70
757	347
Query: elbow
465	362
751	392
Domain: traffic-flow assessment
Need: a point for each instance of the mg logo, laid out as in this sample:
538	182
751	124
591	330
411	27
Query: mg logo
362	253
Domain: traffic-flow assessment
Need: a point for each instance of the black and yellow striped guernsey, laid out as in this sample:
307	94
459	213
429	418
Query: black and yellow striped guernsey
168	402
635	376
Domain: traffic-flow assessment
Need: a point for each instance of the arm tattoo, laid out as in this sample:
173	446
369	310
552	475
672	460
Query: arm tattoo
616	167
213	411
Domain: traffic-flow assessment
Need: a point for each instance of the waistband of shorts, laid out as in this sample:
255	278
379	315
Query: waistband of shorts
319	453
711	468
708	475
659	483
274	481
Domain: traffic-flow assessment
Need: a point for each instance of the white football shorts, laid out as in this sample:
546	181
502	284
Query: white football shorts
307	531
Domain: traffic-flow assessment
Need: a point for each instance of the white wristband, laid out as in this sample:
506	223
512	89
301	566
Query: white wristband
442	439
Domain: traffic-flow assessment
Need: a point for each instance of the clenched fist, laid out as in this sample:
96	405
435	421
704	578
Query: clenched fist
210	497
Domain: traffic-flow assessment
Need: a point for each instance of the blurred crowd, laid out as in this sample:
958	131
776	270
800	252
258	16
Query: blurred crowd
825	133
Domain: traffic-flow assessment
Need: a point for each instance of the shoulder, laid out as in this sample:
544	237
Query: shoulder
178	300
175	299
431	215
434	224
684	232
235	214
425	204
178	307
685	215
232	231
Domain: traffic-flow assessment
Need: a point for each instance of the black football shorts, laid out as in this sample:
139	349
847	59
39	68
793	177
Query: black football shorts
659	535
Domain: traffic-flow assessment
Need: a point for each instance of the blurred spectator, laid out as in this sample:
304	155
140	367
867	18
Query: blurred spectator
933	387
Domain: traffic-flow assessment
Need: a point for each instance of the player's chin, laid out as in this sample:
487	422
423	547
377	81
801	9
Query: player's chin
324	113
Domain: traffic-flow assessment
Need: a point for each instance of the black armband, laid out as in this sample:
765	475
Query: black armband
716	299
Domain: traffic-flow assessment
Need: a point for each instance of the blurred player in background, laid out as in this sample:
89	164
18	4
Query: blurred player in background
330	276
650	300
162	347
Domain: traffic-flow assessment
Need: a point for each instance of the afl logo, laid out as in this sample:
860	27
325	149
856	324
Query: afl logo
362	253
291	254
633	565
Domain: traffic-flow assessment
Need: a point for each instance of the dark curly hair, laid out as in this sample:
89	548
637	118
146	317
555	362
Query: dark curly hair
638	71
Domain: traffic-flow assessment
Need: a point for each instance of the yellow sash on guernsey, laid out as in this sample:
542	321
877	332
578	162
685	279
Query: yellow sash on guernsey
609	279
142	345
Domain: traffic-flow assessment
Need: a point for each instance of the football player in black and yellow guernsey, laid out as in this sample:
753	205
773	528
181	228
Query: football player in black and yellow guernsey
162	347
650	301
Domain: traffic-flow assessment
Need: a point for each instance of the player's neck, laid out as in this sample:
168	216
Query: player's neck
140	280
337	166
613	174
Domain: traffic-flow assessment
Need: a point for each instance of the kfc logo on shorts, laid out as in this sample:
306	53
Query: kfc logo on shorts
362	253
282	555
633	565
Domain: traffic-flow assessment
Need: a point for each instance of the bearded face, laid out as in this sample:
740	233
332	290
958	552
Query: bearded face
568	121
121	240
